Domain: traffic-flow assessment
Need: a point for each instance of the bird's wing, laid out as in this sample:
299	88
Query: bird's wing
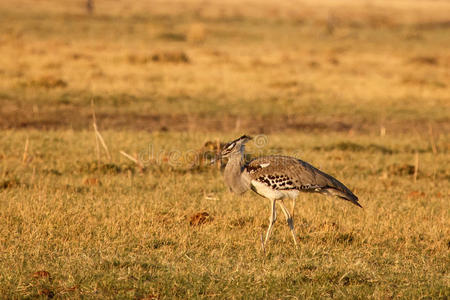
286	173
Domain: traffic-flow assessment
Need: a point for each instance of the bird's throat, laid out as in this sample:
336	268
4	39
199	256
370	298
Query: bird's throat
233	173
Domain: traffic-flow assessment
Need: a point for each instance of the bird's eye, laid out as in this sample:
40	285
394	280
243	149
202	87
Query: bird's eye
230	146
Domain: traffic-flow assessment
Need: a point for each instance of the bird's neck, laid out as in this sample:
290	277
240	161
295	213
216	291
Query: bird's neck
237	158
233	173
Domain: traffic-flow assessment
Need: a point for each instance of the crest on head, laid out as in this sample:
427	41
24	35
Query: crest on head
235	146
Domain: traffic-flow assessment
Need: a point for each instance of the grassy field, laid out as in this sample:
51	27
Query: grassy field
360	89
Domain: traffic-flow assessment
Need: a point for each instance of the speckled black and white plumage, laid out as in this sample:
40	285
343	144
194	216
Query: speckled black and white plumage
289	173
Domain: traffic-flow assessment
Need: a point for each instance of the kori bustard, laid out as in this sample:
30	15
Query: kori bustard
277	178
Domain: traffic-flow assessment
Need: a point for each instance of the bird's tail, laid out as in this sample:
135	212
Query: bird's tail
346	195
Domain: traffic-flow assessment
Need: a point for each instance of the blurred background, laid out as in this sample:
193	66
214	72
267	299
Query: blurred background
246	66
359	89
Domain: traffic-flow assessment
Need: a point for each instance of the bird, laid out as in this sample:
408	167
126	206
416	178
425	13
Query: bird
277	178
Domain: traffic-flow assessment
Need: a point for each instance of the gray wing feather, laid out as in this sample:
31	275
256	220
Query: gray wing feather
284	172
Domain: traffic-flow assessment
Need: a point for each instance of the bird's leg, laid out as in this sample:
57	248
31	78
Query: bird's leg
289	221
272	219
293	208
262	245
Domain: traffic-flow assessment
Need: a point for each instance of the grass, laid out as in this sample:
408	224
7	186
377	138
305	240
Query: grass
127	234
356	90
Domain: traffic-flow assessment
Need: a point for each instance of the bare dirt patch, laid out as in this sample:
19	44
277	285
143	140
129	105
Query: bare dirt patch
71	117
42	274
200	218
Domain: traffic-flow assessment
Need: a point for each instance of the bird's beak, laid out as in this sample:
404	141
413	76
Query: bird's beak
218	157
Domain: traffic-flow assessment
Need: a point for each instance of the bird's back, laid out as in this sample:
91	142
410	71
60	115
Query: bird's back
289	173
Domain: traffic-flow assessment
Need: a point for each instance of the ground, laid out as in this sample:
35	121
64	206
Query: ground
358	89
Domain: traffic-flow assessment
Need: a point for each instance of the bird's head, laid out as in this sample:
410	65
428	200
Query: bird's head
236	146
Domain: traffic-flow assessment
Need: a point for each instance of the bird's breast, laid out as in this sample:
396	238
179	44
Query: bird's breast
267	191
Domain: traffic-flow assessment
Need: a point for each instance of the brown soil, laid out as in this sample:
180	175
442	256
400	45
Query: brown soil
74	118
200	218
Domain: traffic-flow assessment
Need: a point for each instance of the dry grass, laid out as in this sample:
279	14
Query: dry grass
359	89
132	235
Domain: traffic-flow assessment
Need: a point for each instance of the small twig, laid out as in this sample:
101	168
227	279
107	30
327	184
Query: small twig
219	161
94	122
102	141
98	135
129	157
416	166
135	160
25	151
